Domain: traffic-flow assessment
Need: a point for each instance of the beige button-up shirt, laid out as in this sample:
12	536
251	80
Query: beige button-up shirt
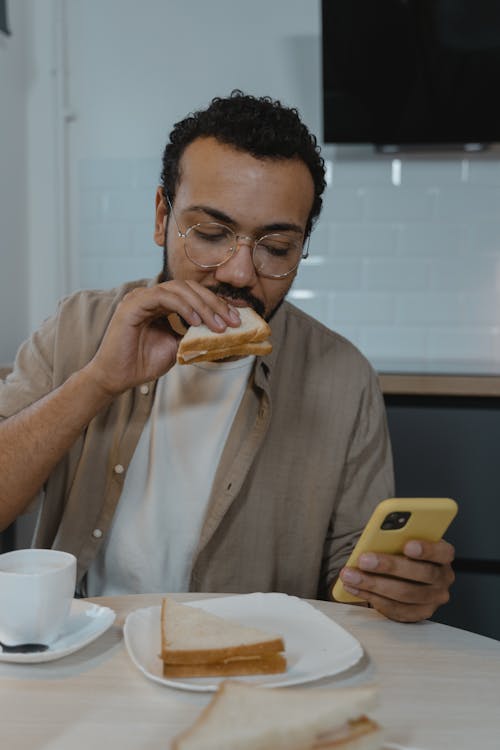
307	458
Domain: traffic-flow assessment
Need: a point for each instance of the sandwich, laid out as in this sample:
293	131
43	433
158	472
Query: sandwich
195	643
200	344
248	717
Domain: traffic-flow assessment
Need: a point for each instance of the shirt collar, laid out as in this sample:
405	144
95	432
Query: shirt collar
264	366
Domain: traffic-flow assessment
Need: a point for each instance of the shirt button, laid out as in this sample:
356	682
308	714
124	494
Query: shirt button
97	533
118	469
144	389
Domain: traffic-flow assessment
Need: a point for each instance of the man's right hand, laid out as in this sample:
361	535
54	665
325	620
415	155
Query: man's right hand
135	349
138	346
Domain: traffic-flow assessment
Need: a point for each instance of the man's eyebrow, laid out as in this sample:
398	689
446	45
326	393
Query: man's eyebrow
216	215
282	226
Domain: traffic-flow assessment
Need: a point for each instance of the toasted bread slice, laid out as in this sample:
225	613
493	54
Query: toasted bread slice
249	717
201	344
237	666
242	350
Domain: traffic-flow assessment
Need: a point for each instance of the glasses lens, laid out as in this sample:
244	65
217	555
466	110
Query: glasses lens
209	244
277	254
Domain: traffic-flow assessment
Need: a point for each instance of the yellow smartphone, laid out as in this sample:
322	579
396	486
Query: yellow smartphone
393	523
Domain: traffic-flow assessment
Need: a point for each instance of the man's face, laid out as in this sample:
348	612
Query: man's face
253	197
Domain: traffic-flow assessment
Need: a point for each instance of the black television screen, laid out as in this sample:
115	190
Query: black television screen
411	71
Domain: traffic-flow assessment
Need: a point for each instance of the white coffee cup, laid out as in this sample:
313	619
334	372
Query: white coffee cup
36	590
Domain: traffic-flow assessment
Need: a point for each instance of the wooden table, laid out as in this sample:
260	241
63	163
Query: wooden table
439	689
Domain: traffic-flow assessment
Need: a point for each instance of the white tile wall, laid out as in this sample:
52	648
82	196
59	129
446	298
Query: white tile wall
405	262
427	240
116	219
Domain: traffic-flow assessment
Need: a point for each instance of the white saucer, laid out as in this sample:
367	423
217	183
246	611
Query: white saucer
86	622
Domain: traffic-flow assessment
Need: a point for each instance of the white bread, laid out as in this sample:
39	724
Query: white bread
195	643
201	344
249	717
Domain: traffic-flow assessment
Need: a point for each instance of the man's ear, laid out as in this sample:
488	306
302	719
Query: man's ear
161	214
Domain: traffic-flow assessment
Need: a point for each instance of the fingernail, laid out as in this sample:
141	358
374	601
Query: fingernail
195	318
368	561
219	322
351	576
413	549
234	315
352	590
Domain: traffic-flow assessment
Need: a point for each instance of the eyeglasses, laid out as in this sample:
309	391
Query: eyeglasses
209	244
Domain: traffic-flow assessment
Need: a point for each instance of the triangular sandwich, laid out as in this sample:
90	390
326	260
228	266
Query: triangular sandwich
195	643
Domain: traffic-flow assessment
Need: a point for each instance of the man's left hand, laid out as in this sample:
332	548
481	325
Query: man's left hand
408	587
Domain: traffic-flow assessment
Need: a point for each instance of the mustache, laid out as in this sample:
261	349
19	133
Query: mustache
239	293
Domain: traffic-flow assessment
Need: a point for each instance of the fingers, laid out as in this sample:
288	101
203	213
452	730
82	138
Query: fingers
407	587
402	567
399	611
189	299
441	552
399	589
222	312
404	601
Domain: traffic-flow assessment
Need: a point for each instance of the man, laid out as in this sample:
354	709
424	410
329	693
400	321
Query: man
254	474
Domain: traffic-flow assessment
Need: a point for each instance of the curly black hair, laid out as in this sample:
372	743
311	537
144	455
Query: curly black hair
261	126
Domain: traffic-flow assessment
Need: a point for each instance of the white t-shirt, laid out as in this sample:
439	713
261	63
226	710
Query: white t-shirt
158	521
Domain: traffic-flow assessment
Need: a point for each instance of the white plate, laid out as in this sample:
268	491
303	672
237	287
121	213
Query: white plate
316	646
86	622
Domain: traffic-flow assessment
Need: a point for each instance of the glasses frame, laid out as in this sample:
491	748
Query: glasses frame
234	248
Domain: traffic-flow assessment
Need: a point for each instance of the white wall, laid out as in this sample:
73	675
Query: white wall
404	262
33	246
14	84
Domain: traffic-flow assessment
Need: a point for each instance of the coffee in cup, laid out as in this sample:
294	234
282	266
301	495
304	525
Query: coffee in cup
36	590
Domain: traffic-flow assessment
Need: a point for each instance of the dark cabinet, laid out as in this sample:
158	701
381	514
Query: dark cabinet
450	447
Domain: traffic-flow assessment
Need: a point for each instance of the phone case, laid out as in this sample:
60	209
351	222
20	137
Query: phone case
429	519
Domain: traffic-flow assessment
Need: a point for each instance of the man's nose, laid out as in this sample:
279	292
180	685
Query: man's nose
239	270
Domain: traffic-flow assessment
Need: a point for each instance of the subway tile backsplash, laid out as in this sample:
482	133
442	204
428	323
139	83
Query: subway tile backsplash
404	261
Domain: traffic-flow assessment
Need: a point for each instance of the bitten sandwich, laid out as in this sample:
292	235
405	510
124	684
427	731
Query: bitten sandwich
201	344
247	717
195	643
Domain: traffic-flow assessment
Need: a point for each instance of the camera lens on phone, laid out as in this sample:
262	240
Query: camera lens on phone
395	520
